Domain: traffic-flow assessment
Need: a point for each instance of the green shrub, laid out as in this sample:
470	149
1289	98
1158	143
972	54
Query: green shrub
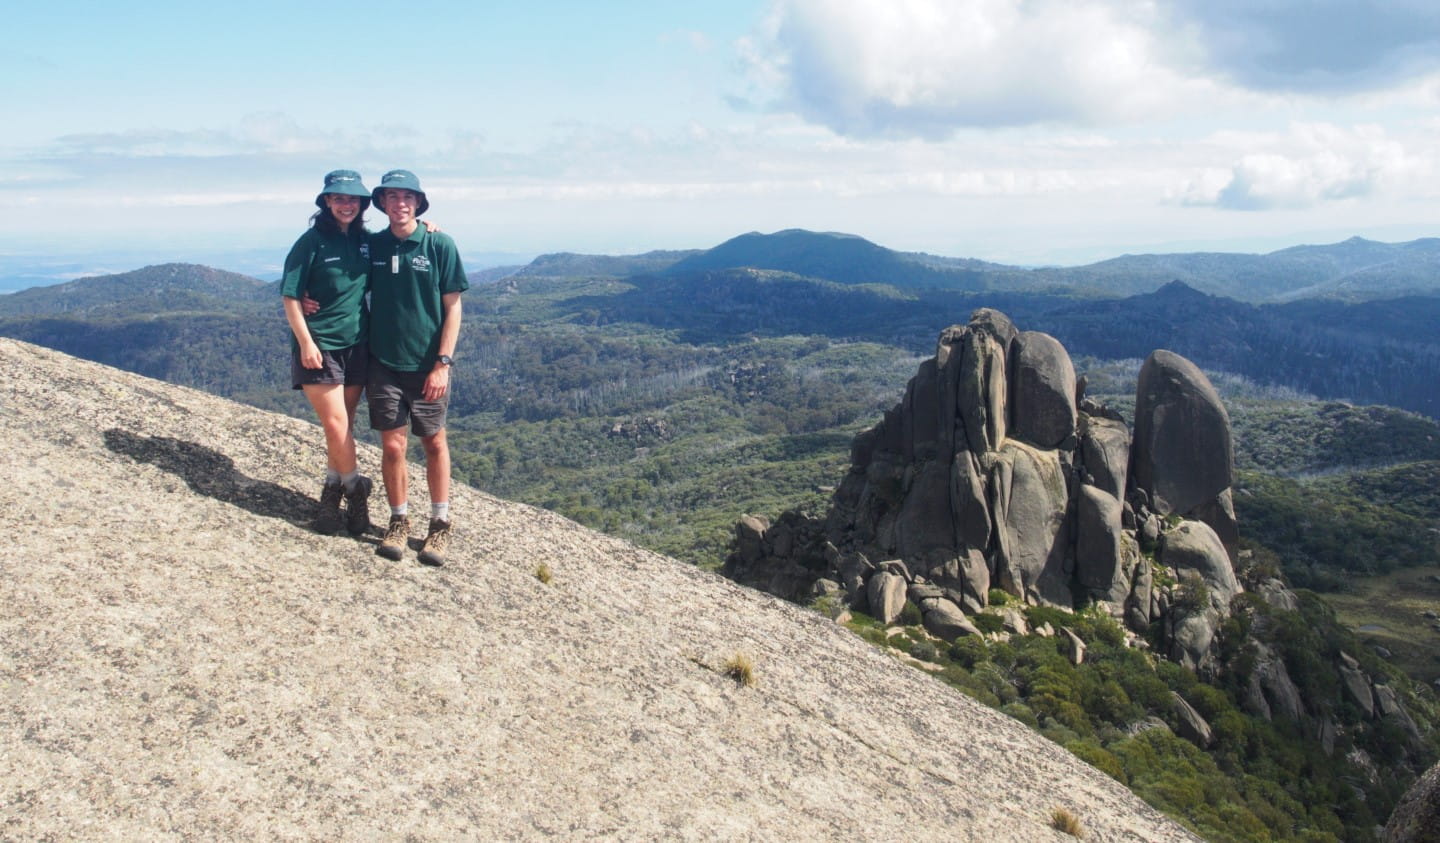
924	651
911	615
999	597
967	651
987	622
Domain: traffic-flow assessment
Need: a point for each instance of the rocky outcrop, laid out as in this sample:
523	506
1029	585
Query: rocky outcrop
1182	459
995	472
1416	818
183	658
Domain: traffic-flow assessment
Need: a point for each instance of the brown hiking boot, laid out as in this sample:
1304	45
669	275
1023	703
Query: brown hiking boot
433	553
397	536
327	517
357	506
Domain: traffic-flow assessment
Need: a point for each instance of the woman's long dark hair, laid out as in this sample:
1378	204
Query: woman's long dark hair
327	224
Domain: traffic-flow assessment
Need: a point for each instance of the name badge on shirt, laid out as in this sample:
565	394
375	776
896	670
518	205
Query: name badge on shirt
394	263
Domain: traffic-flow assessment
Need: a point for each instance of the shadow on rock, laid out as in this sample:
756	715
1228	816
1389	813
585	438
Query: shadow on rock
212	474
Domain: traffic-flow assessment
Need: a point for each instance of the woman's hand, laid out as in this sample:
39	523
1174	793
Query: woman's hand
310	356
309	307
430	227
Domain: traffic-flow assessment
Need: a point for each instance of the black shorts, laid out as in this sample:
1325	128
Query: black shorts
347	366
396	397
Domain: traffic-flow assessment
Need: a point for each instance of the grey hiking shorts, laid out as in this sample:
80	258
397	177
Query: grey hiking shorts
397	397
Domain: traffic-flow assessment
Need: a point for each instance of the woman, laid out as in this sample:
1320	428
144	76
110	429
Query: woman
329	355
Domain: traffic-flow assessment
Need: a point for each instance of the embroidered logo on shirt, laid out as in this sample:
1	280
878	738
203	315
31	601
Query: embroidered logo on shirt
332	260
420	263
365	251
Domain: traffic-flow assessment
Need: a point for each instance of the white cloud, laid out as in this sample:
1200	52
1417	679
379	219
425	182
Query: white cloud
1309	165
1312	45
926	68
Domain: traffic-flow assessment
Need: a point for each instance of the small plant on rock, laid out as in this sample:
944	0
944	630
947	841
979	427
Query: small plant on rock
544	574
1063	820
741	668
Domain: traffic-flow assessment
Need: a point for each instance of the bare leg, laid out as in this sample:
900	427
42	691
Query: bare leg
437	466
329	401
392	465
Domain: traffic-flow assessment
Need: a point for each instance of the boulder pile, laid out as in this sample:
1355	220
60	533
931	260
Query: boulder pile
996	472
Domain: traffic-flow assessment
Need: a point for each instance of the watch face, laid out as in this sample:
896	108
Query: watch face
447	360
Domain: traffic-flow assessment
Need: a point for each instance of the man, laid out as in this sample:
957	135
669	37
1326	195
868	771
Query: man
415	283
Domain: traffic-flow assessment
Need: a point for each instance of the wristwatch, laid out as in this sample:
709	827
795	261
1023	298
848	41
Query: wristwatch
446	360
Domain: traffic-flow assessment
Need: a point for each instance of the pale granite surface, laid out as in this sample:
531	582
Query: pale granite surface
181	658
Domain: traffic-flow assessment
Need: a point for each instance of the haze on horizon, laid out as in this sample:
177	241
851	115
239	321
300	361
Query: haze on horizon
1049	132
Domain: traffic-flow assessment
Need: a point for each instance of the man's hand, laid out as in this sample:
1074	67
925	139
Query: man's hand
437	383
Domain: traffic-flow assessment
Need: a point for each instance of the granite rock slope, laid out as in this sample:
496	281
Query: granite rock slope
181	657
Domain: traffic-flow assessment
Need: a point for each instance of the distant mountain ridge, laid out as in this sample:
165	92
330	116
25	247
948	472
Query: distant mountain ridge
154	289
841	258
1356	269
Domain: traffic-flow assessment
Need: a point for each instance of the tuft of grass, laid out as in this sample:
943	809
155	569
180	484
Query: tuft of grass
741	668
544	574
1063	820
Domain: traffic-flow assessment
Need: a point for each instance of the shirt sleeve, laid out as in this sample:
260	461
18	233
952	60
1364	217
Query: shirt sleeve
297	267
452	273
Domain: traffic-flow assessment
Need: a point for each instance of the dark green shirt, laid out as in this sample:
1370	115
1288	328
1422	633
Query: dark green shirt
407	279
331	269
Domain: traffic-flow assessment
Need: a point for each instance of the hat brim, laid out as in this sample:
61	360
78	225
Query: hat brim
380	205
364	198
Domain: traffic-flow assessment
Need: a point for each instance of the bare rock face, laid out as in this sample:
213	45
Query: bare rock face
1193	546
1416	818
1105	453
1100	546
1042	391
1271	692
1182	456
1193	726
1030	503
184	658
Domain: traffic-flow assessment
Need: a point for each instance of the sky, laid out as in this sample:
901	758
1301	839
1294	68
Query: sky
1019	131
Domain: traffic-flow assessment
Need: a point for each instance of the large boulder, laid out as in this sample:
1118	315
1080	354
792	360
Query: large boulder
1193	546
1030	502
1192	633
943	619
1416	818
1357	685
1191	725
1042	391
1182	455
1105	452
1100	545
886	592
1270	691
981	392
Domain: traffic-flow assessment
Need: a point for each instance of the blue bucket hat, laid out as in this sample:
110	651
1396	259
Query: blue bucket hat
345	183
400	180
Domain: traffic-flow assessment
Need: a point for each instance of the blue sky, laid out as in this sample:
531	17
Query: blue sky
1022	131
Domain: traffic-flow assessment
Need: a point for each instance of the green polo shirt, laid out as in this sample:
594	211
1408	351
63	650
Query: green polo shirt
331	269
407	279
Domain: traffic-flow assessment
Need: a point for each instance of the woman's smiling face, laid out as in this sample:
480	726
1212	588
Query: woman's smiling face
344	208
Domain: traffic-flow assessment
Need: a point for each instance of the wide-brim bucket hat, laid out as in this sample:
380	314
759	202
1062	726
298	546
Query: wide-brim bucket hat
345	183
400	180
